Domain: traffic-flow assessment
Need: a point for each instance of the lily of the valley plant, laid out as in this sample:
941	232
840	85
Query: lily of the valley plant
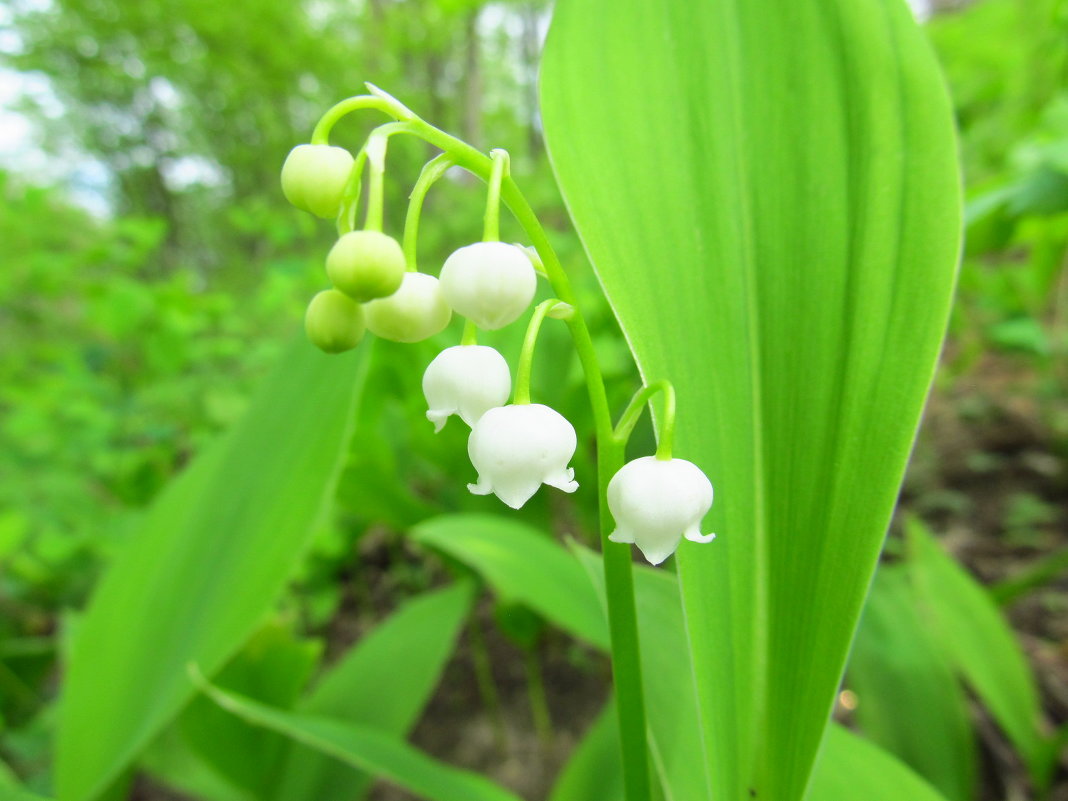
654	502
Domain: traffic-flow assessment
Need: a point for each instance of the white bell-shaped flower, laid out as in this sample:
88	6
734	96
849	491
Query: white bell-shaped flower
517	448
413	313
467	380
657	502
491	283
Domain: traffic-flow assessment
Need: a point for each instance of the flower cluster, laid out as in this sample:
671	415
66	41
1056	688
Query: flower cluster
514	447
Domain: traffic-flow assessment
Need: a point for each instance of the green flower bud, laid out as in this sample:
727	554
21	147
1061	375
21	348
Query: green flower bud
366	265
314	176
334	321
412	313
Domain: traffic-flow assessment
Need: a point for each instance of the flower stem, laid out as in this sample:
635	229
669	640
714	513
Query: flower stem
350	195
432	171
630	416
526	355
470	336
491	230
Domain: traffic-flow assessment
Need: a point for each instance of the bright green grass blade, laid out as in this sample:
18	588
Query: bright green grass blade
522	565
850	769
768	191
594	769
981	646
383	682
909	699
210	559
369	750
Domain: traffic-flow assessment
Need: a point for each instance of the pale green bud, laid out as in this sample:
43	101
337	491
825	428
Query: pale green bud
412	313
314	176
366	265
334	322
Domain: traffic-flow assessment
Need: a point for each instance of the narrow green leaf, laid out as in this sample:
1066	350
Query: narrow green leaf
981	646
272	667
593	771
18	794
769	194
213	554
367	749
909	700
172	763
383	682
8	779
851	768
522	565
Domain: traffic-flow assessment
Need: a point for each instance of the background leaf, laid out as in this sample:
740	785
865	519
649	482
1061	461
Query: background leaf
769	194
981	646
383	682
909	700
594	769
523	565
205	567
851	768
368	749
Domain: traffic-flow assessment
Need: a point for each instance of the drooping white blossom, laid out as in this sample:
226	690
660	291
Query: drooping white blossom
490	283
657	502
466	380
517	448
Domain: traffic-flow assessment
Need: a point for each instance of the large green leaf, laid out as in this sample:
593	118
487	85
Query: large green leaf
383	682
909	700
981	646
522	565
207	564
369	750
768	191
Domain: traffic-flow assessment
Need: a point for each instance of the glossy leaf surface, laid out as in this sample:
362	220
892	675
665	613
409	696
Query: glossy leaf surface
210	559
769	194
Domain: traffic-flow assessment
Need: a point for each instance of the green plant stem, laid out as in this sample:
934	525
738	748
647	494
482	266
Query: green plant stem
619	582
526	354
431	172
630	416
491	227
381	102
350	195
470	336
